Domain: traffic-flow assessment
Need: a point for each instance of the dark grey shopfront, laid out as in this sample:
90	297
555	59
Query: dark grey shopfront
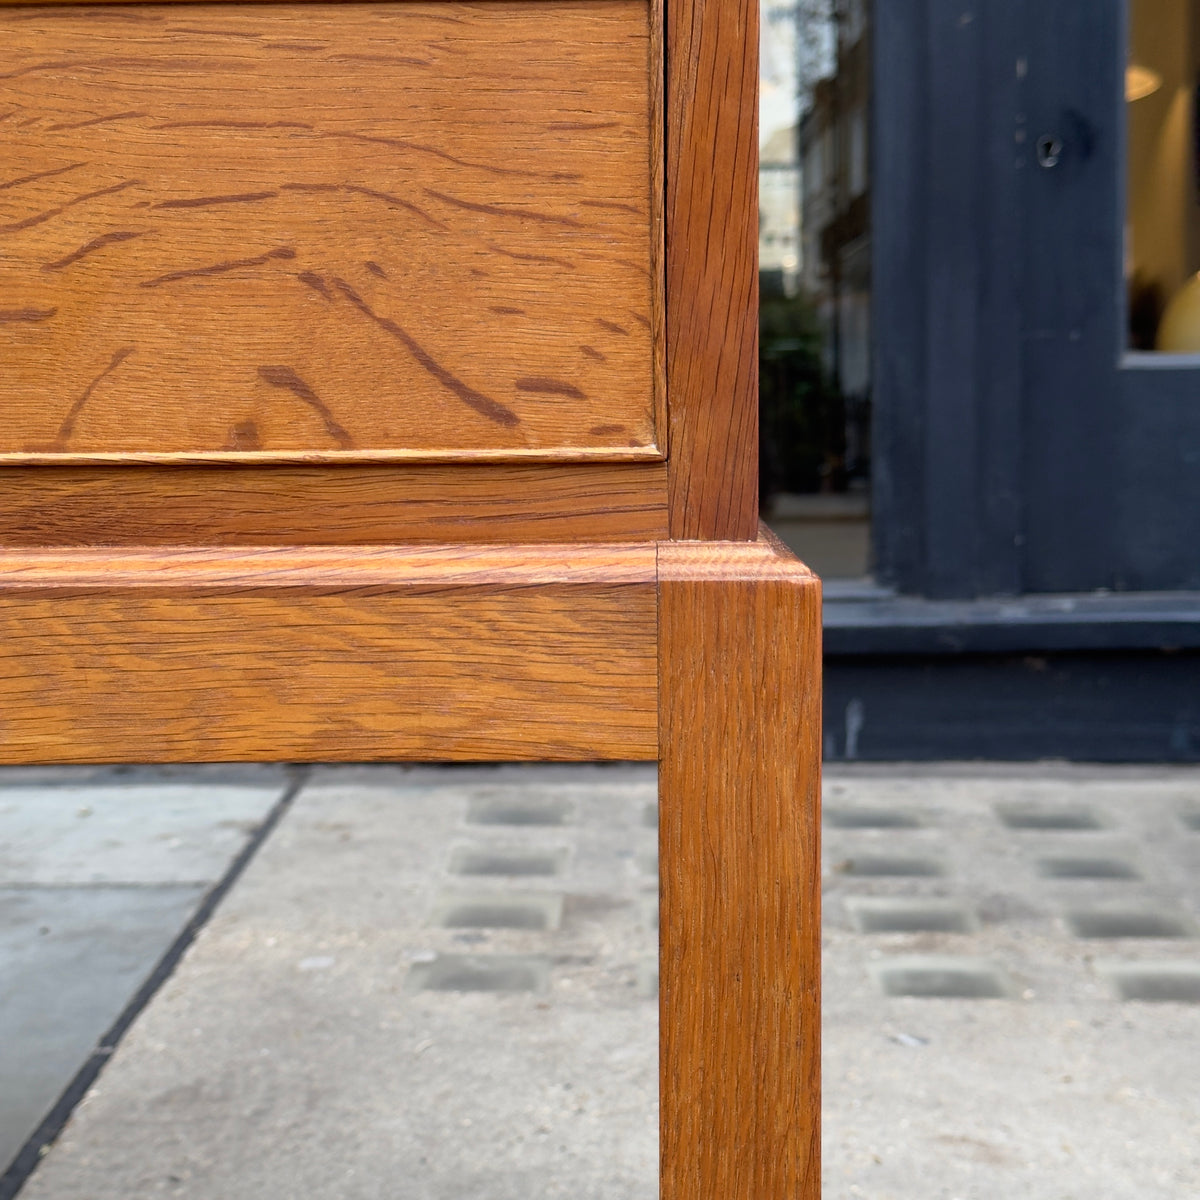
1035	480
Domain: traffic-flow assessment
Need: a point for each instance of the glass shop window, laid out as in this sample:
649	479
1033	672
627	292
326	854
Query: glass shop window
1162	224
815	281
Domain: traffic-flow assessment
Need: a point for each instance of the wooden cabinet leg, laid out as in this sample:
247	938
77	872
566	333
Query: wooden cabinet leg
739	780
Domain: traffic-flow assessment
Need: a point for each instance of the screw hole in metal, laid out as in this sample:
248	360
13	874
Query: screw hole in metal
1049	151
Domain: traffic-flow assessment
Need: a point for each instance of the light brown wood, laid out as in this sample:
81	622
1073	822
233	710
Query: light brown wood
658	220
186	3
739	863
457	653
489	235
192	570
97	506
328	231
712	267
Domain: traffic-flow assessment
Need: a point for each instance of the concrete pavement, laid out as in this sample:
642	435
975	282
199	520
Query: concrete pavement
100	869
440	982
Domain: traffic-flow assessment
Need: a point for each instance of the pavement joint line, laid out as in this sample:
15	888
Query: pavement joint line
44	1136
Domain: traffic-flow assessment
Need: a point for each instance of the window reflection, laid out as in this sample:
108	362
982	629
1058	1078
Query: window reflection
1162	236
814	254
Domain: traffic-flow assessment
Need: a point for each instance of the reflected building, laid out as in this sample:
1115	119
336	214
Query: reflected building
835	266
779	160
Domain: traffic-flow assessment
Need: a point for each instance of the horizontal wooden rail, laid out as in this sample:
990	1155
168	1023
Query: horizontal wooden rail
551	455
461	653
349	505
128	4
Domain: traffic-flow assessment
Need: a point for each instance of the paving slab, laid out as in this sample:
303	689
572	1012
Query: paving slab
134	829
330	1033
100	869
1046	1085
70	959
333	1032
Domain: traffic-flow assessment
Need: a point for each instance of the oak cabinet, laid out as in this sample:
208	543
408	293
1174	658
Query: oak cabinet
379	383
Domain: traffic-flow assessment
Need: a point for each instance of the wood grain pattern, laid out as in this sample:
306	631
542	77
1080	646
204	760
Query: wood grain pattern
453	653
712	267
161	506
739	863
658	218
191	570
333	231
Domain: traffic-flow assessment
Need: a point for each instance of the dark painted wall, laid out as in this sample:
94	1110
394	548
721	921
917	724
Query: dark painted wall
1016	448
1116	707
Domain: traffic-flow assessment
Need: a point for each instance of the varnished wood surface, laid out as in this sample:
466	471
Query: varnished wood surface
739	864
346	231
453	653
712	267
192	570
125	3
658	221
97	506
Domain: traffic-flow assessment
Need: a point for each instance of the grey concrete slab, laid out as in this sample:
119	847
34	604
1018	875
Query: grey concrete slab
100	869
930	1099
137	831
306	1045
70	959
1062	1091
327	1036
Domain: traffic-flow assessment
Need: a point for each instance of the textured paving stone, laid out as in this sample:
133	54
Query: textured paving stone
1074	867
507	861
1127	923
498	910
301	1049
327	1036
837	817
1158	982
943	977
516	809
901	915
1049	818
895	865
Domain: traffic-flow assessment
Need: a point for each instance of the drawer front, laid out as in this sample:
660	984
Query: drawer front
359	231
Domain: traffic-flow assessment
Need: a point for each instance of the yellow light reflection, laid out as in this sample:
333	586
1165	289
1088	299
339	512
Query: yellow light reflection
1140	82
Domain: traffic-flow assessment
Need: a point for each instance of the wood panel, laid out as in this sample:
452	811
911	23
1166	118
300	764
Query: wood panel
451	653
336	231
739	865
161	506
712	267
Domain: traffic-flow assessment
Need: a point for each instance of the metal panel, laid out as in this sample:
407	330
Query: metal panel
1135	706
1016	449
